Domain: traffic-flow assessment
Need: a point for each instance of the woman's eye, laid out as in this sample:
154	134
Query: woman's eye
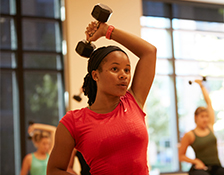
127	70
114	69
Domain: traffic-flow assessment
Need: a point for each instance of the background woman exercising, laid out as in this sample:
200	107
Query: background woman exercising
43	140
203	141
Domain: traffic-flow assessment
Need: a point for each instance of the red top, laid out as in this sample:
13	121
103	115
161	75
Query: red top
112	143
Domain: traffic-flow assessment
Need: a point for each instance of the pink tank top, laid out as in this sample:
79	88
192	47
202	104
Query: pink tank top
112	143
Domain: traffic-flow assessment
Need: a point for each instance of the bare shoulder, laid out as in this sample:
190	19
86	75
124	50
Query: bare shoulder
190	136
28	157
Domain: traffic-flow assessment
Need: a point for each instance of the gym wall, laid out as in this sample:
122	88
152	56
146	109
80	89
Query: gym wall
126	16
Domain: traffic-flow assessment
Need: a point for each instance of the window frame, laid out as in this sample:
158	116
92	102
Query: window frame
18	73
173	74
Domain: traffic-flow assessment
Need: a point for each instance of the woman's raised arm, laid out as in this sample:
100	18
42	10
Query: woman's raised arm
208	101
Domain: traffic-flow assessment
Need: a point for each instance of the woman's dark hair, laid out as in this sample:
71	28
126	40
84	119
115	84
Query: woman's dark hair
38	135
199	110
89	86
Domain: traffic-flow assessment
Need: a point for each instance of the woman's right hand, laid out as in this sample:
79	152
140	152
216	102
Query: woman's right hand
198	164
198	82
94	32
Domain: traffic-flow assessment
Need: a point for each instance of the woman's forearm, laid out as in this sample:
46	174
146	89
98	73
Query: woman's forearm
205	95
134	43
184	158
44	127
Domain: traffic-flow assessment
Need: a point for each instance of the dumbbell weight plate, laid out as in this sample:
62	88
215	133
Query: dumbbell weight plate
101	12
85	48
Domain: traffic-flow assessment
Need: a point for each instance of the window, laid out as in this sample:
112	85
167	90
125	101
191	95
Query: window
31	74
189	41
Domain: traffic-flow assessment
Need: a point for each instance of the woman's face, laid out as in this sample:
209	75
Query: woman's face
202	119
44	145
115	75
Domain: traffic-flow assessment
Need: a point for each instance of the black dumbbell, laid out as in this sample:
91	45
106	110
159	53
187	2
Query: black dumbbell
101	13
77	97
203	79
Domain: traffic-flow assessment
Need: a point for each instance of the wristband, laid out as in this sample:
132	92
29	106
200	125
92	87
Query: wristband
109	31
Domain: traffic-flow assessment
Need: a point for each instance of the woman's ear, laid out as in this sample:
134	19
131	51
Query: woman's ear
95	75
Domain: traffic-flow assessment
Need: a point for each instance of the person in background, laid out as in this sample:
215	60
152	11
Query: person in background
202	140
111	132
84	167
43	139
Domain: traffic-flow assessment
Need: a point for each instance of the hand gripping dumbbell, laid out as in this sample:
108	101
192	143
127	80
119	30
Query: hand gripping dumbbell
101	13
203	79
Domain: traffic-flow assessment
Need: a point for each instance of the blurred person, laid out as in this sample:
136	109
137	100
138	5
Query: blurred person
202	140
43	139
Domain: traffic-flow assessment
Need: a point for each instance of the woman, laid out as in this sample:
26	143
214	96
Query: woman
203	141
110	133
43	140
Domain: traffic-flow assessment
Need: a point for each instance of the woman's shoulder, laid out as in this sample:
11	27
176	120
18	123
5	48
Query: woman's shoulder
75	113
129	96
189	133
72	116
28	158
129	100
190	136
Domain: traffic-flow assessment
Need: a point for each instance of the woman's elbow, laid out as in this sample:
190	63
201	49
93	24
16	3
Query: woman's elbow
181	157
153	49
152	53
51	170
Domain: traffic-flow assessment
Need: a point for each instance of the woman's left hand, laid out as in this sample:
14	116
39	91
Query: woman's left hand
31	129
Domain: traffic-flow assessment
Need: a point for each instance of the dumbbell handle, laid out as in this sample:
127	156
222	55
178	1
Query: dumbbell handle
97	26
203	79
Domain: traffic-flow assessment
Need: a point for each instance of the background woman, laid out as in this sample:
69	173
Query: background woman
202	140
43	139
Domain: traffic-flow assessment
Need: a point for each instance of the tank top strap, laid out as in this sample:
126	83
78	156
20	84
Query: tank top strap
209	129
194	132
33	157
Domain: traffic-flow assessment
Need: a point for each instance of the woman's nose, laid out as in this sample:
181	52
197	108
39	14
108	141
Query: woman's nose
123	75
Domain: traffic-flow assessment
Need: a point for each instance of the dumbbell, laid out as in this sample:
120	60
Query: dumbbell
101	13
78	97
203	79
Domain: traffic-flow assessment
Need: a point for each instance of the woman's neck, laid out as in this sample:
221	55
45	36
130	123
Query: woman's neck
104	104
40	153
200	128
